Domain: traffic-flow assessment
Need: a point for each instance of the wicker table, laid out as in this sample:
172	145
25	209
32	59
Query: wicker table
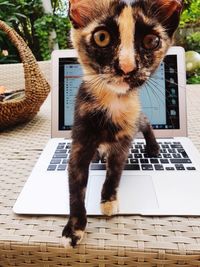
122	240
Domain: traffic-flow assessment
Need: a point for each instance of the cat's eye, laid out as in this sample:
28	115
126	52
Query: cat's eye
151	41
102	38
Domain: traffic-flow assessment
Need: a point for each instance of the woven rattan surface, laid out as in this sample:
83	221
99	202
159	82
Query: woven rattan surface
122	240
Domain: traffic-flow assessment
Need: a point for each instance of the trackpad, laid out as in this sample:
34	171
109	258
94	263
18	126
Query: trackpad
136	194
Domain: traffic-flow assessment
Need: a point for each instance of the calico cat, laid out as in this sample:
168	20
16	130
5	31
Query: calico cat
120	43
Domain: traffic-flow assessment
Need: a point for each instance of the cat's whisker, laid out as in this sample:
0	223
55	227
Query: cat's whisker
160	99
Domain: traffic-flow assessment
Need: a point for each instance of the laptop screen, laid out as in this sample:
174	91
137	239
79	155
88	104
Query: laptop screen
159	95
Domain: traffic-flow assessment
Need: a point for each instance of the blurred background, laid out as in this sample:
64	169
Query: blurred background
45	26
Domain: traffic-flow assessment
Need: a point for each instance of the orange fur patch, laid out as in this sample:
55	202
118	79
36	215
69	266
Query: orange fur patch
126	29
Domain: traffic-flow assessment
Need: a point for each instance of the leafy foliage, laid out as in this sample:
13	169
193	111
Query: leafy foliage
189	33
195	78
30	21
191	14
44	26
193	41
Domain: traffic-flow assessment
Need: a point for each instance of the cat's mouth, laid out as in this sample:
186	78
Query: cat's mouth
120	87
134	83
126	83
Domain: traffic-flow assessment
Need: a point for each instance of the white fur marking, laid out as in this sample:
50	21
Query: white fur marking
66	241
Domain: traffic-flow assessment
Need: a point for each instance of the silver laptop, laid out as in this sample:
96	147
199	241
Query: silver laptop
166	185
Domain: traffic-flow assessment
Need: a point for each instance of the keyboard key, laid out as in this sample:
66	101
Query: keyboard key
167	156
62	156
58	151
154	161
61	146
62	167
158	167
103	160
134	161
137	156
184	155
163	150
191	168
147	167
180	150
176	156
169	168
179	161
144	161
176	146
132	167
165	146
130	156
68	145
179	167
96	167
164	161
51	167
172	150
65	161
138	146
135	150
55	161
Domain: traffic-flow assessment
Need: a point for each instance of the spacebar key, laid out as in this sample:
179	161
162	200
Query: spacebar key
96	167
132	167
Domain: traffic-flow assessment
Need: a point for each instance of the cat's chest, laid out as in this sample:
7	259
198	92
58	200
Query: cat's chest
123	110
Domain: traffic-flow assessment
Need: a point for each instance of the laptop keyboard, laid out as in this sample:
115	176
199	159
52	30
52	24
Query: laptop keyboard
172	157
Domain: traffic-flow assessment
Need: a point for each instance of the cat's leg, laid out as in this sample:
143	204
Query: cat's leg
80	157
152	147
116	159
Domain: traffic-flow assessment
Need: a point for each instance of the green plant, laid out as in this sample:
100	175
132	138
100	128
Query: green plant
188	34
194	78
9	13
193	41
29	20
43	28
190	15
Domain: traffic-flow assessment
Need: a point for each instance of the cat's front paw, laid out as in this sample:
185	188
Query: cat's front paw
152	149
71	236
109	208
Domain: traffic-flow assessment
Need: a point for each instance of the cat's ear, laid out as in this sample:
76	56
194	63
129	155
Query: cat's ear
169	12
79	12
170	7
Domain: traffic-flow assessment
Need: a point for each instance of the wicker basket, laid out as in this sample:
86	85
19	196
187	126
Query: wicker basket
37	88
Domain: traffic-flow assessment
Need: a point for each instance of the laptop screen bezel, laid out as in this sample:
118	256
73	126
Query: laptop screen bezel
164	133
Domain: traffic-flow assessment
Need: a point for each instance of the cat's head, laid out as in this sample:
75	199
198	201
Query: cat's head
120	43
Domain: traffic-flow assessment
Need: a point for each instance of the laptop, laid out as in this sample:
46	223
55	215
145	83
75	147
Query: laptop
165	185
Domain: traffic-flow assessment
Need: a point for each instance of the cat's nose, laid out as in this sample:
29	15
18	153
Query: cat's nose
127	67
127	64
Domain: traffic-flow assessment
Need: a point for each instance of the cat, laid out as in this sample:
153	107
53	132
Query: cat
120	43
